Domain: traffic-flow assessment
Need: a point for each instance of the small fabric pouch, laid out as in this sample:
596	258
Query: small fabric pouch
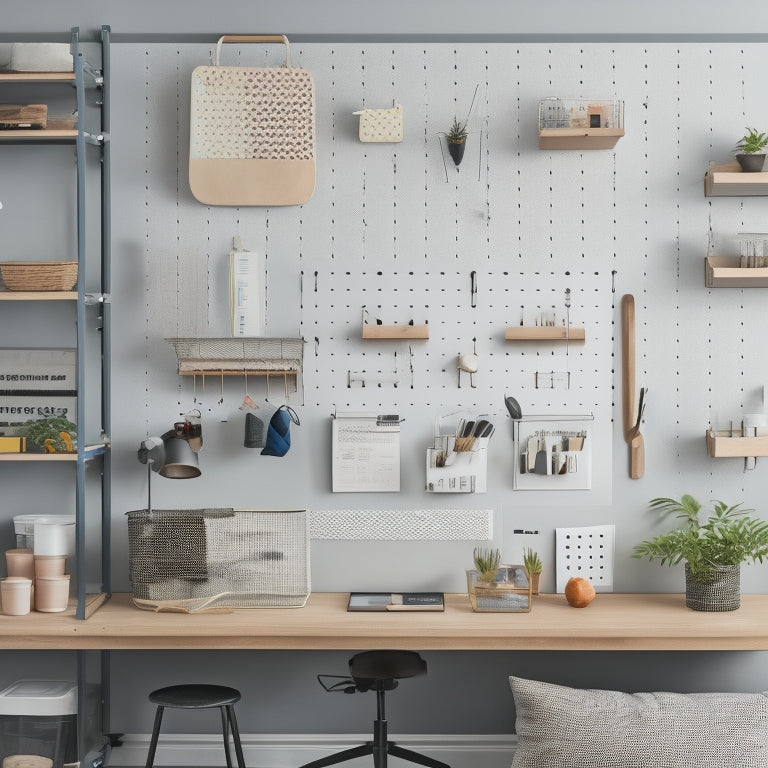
279	431
382	125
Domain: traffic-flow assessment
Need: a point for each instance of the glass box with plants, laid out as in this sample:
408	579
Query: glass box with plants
53	434
492	586
713	550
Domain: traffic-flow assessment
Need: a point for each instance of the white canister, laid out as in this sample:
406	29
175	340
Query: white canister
16	595
55	535
51	593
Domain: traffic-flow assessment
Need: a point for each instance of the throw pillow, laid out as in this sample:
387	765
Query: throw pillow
561	727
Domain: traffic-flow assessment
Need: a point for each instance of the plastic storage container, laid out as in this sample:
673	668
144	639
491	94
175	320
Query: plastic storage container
46	534
38	722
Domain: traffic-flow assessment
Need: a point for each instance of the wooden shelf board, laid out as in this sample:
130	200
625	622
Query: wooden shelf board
236	372
395	331
579	138
612	622
543	333
38	134
728	180
725	272
6	295
726	444
37	77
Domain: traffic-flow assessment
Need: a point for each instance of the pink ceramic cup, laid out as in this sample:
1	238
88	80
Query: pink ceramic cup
51	593
20	562
50	565
15	594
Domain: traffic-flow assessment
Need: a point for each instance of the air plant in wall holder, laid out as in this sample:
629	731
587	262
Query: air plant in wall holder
456	137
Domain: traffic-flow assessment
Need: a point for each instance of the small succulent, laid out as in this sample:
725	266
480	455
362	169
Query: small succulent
458	132
487	562
531	561
752	142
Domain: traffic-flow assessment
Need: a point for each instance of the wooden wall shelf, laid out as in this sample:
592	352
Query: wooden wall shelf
726	443
725	272
729	180
579	138
543	333
395	331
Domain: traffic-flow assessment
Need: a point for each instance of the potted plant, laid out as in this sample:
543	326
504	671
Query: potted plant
533	568
457	140
713	550
487	562
750	150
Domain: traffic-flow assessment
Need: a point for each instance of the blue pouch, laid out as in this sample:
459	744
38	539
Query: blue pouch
279	431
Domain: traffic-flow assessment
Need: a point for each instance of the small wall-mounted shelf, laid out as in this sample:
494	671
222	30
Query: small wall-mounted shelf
579	138
728	180
725	272
371	331
730	443
544	333
580	123
238	356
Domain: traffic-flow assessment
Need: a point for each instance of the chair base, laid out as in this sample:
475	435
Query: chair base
379	753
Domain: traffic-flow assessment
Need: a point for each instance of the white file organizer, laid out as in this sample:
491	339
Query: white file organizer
457	464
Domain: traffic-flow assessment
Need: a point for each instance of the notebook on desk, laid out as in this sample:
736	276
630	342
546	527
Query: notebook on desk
396	601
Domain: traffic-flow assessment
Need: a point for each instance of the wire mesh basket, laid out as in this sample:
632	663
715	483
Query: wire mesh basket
206	559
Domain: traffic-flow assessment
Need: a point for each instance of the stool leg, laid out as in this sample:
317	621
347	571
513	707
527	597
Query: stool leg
155	734
235	736
225	732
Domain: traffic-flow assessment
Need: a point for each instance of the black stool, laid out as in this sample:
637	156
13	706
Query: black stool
199	697
377	671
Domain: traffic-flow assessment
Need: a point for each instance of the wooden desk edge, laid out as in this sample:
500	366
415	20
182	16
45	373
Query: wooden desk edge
614	622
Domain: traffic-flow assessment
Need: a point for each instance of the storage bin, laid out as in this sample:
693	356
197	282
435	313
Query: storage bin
38	722
55	534
205	559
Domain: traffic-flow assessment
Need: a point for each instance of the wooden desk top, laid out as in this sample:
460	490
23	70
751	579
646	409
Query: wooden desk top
613	622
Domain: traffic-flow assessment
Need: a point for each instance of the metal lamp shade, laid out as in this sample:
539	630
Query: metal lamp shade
180	460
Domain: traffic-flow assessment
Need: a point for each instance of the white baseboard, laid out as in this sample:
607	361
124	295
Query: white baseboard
292	750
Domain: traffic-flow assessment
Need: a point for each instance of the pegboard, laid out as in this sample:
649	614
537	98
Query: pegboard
393	229
586	552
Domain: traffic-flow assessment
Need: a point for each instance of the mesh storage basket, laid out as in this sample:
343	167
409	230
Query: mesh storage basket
722	592
205	559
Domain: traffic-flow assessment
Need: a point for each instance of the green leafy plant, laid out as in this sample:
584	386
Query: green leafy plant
487	562
752	142
51	428
531	561
728	536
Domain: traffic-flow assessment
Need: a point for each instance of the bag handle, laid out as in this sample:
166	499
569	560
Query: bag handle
255	39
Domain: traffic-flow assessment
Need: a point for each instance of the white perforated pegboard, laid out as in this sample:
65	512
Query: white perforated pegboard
402	525
586	552
390	229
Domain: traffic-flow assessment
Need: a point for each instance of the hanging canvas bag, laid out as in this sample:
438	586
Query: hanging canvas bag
252	131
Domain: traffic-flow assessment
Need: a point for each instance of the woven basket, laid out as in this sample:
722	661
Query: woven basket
39	275
720	593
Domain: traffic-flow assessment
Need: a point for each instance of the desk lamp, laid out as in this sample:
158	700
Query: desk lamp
172	455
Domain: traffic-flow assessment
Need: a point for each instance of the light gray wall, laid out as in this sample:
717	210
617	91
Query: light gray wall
685	106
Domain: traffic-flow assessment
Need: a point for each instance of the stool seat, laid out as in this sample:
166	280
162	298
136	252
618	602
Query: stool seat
199	696
195	696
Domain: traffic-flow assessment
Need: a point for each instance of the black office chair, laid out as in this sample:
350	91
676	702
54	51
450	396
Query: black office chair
377	671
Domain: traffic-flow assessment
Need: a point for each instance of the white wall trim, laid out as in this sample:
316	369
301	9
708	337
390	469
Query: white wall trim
290	750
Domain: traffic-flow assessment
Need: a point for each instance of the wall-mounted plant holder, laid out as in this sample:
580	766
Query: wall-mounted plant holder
580	123
740	261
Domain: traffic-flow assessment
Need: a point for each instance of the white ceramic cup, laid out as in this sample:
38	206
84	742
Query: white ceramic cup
51	593
20	562
16	595
50	565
